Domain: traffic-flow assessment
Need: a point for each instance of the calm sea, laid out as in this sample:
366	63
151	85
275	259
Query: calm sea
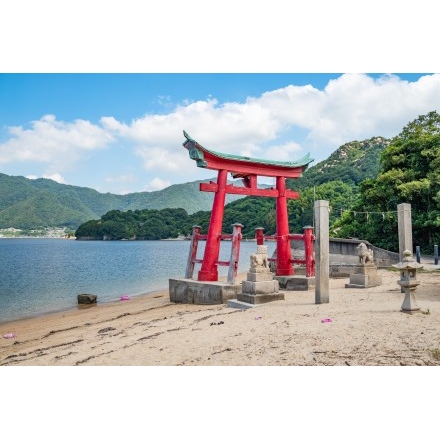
39	276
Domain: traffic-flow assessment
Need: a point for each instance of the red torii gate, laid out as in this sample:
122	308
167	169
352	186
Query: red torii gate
247	169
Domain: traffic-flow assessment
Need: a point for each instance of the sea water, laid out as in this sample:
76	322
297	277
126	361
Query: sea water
39	276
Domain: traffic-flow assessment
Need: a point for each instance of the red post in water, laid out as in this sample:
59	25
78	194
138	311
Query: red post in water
235	252
259	235
284	253
209	270
309	254
192	252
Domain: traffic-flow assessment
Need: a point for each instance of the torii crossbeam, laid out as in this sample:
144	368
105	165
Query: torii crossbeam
248	169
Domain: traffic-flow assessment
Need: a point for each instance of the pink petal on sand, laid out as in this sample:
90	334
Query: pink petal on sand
326	320
9	335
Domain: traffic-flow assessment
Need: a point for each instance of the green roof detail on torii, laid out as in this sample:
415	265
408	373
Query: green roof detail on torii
242	166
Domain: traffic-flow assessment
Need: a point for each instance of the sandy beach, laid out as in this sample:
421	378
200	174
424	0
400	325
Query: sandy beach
219	398
358	327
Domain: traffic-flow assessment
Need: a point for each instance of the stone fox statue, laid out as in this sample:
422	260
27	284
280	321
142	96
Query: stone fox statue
259	259
365	254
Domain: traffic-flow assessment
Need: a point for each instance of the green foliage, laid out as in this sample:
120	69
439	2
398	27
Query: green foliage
146	224
251	212
351	163
363	182
410	173
32	204
335	180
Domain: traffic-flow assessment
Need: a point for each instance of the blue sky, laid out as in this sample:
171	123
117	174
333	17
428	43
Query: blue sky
99	97
123	133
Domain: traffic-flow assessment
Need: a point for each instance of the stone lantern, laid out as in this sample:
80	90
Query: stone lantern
408	281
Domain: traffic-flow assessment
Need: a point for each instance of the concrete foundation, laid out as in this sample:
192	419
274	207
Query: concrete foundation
295	282
188	291
261	298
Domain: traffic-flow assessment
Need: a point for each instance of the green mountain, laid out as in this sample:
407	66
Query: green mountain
335	179
351	163
32	204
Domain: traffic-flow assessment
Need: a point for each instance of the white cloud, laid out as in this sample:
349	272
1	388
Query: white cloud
356	107
55	142
351	107
56	177
283	124
287	152
157	184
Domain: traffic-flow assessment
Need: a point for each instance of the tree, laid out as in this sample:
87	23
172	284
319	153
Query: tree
410	173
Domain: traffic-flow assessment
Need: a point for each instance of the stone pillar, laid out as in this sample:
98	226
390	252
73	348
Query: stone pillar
235	252
322	265
405	228
192	252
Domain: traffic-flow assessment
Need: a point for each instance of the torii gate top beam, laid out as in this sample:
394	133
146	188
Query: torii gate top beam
242	166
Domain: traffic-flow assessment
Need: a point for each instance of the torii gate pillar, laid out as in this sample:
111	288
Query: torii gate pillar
284	253
209	271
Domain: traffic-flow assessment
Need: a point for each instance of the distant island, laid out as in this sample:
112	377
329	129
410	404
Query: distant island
37	233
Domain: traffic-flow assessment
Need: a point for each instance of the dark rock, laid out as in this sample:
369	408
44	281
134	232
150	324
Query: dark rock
87	298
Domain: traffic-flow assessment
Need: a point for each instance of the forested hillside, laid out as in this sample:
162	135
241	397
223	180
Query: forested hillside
363	181
335	179
410	173
41	203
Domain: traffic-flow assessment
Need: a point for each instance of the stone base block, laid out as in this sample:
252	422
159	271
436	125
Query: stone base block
260	298
255	277
87	298
296	282
260	287
188	291
342	270
366	269
363	281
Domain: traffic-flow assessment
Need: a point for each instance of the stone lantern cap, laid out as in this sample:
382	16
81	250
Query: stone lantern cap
408	262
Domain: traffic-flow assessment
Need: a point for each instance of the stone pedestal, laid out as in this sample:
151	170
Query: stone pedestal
365	275
199	292
409	304
408	281
259	287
